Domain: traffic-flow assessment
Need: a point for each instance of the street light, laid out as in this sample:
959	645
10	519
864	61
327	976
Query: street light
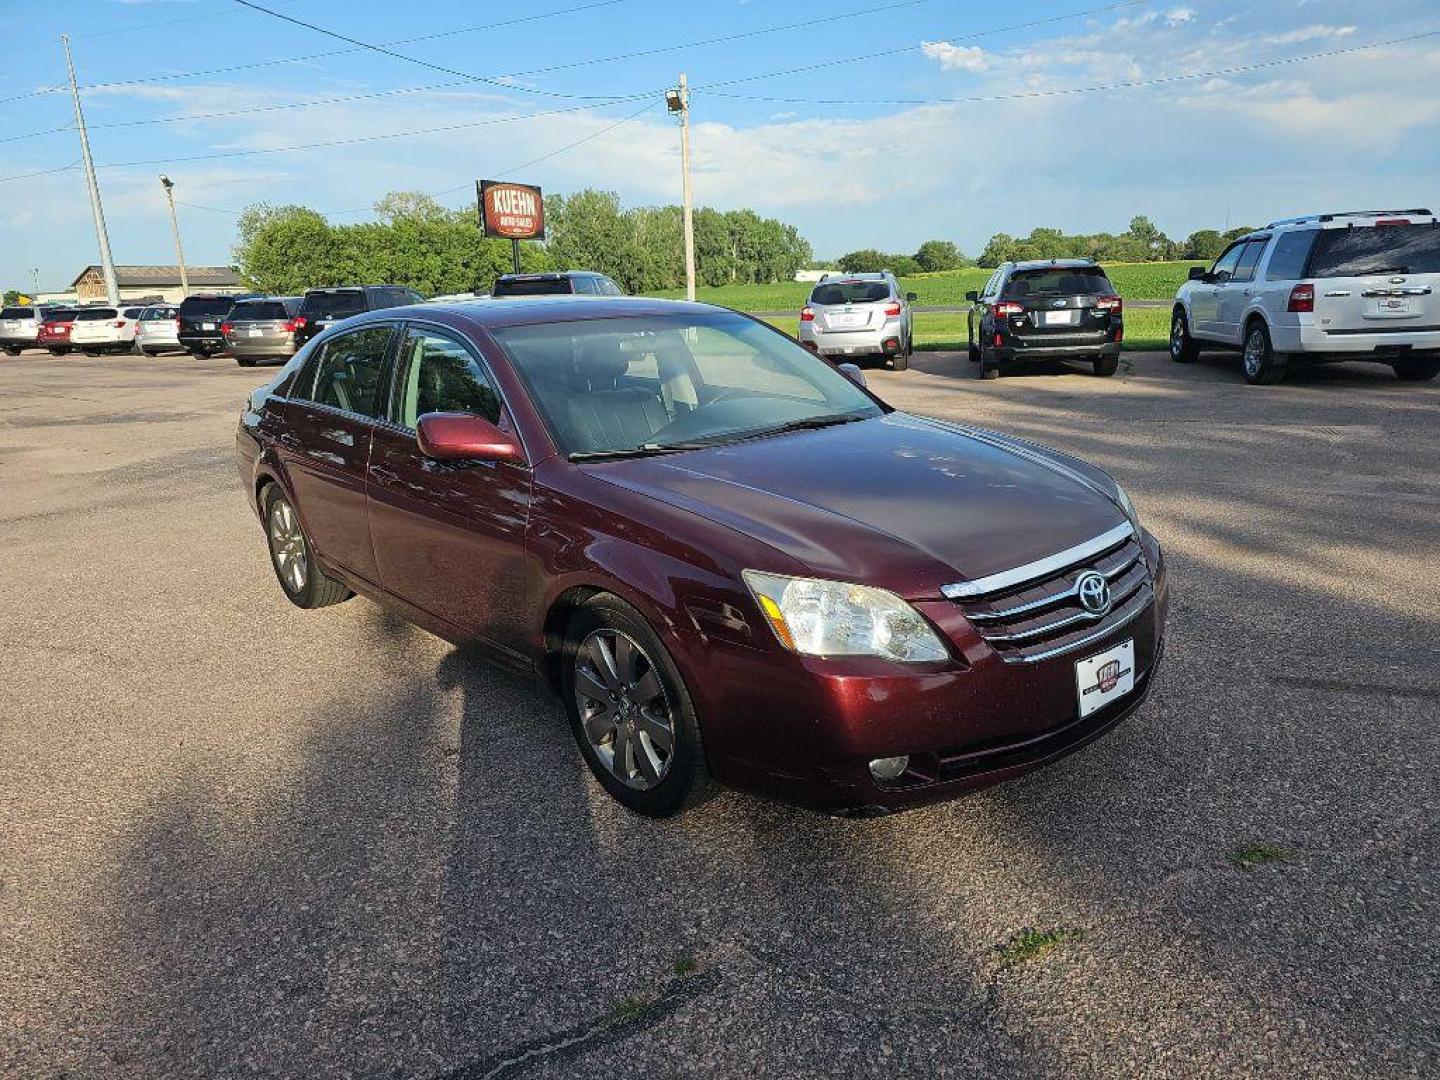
677	100
169	186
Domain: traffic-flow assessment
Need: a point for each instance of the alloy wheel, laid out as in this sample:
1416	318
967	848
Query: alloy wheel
1177	336
625	712
287	546
1254	353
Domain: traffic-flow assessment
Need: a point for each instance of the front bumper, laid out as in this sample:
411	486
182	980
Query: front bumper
804	729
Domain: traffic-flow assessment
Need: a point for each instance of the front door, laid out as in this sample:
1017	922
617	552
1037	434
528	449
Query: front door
449	536
1233	298
326	450
1205	297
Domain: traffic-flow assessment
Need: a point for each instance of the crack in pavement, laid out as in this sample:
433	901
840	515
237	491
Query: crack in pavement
1346	687
587	1035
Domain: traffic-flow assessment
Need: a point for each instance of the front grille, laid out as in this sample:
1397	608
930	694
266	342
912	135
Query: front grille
1042	617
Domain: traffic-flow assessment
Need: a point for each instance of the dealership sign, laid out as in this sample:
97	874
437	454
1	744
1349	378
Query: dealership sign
512	211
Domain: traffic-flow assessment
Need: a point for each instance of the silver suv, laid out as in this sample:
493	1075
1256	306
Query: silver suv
1348	286
19	325
858	315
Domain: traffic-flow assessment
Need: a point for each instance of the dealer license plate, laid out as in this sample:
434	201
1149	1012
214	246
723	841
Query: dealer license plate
207	326
255	333
1102	678
1057	318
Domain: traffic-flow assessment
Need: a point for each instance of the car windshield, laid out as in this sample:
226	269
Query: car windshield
533	287
195	307
1396	249
258	309
650	384
96	314
849	292
335	304
1058	281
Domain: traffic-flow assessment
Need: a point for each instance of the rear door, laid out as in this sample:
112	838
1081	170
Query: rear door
1378	278
329	421
1233	296
449	536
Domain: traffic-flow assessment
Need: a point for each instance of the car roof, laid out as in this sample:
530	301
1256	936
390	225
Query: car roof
487	313
1059	264
550	275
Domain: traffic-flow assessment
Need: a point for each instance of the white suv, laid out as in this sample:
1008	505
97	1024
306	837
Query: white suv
1351	286
858	315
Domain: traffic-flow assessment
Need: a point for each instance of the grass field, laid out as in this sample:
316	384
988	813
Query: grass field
1134	281
1146	329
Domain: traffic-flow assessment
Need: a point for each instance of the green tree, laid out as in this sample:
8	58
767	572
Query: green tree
413	206
864	261
1000	248
935	255
1204	244
12	296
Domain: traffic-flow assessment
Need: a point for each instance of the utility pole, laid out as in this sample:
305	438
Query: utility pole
107	264
678	101
35	277
169	186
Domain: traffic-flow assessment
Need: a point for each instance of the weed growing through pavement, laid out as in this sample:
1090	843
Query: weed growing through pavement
1031	944
1253	855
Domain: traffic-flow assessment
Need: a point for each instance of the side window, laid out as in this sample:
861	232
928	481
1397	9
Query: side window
989	289
349	372
585	285
1292	251
441	375
1245	268
1225	265
609	288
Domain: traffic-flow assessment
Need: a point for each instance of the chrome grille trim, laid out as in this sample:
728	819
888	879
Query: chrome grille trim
1070	620
1061	560
1049	601
1088	639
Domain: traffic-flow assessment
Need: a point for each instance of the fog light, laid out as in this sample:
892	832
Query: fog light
885	769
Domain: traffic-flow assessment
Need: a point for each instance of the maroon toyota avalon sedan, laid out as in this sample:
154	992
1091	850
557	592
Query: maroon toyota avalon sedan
730	559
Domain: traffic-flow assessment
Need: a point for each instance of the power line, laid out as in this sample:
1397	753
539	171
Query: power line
901	50
488	80
1129	84
41	172
232	68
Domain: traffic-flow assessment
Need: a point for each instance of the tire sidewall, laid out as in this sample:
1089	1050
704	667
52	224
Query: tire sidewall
305	597
686	777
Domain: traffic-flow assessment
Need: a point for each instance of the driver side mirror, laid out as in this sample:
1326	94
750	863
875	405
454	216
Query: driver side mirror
464	437
911	297
972	296
1198	273
854	374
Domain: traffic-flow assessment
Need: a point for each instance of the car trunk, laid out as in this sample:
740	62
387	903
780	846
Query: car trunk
1380	279
261	332
96	327
851	318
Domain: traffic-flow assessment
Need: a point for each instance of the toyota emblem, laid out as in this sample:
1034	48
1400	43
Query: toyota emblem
1094	592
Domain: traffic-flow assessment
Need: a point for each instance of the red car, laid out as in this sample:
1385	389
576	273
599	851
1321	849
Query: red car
54	332
730	559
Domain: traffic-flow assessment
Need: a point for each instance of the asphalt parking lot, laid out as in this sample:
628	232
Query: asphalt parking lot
239	839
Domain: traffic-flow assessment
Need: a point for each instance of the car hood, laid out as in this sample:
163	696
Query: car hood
903	502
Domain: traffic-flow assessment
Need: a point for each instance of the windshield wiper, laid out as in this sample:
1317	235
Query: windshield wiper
644	450
807	423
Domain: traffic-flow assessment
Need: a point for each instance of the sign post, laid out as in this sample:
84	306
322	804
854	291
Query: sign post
513	212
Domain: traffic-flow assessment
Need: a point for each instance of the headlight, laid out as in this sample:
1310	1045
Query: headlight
833	618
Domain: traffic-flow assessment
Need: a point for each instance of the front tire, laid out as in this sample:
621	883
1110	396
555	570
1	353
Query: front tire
1263	366
630	711
1417	369
1183	347
11	350
300	576
244	361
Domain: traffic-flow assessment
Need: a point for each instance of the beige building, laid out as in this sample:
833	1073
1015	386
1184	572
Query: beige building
151	283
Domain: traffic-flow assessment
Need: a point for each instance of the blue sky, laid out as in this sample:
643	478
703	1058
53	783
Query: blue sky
859	153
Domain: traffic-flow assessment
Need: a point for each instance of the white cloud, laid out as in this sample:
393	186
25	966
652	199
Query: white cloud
1176	16
1318	32
956	57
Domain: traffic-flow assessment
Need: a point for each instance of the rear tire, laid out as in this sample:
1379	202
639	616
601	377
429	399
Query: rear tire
683	779
900	361
244	362
989	370
1183	347
1417	369
57	352
11	350
304	583
1107	365
1262	365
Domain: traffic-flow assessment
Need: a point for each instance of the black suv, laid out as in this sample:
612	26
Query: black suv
325	306
199	317
1051	309
558	283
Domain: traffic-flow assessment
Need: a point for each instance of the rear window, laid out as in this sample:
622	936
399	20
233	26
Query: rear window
17	313
132	312
195	306
849	292
157	314
95	314
1058	281
258	309
61	316
334	304
533	287
1378	249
